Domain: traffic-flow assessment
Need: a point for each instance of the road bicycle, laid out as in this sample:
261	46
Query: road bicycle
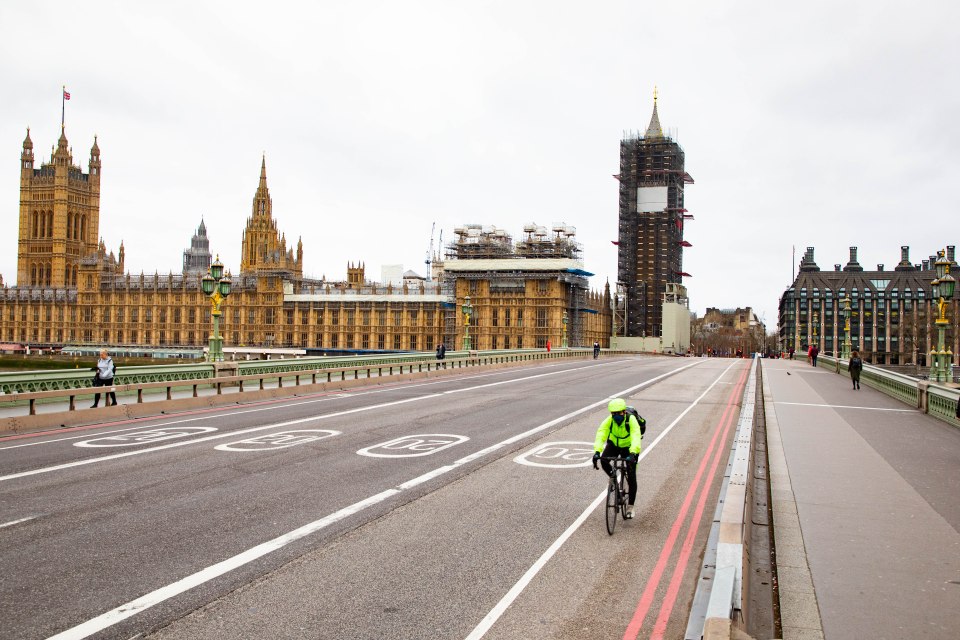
616	492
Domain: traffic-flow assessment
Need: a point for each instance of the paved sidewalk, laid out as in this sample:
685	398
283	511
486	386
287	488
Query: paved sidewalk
866	500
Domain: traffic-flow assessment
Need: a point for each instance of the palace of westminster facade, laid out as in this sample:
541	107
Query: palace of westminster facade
71	291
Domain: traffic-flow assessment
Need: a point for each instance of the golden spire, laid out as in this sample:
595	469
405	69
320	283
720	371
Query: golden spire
654	130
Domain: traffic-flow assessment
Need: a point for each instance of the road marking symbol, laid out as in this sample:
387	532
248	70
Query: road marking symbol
558	455
149	436
279	440
413	446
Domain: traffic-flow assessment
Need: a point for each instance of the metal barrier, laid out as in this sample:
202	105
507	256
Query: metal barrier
32	381
165	380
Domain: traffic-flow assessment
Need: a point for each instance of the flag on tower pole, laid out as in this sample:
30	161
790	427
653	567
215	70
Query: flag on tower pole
63	105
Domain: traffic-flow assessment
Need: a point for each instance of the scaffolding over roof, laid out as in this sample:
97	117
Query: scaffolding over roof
478	242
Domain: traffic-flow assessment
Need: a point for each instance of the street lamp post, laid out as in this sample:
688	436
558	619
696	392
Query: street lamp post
816	326
941	367
467	309
565	320
217	287
847	349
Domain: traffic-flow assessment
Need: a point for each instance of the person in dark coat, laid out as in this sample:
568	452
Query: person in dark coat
856	366
814	352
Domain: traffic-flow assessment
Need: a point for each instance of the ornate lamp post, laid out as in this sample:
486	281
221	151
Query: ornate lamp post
941	367
565	320
847	349
217	287
467	309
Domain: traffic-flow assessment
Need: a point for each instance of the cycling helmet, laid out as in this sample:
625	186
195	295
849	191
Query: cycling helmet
617	404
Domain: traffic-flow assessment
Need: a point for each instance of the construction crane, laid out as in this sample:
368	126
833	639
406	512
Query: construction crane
430	251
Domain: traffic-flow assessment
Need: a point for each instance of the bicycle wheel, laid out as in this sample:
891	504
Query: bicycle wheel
612	507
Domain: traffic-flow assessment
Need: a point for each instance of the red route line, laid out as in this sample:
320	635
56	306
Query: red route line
646	599
666	608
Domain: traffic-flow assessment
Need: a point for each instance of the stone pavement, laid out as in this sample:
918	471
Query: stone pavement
866	509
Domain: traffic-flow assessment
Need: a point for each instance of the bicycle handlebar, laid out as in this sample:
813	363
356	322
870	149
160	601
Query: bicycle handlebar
617	460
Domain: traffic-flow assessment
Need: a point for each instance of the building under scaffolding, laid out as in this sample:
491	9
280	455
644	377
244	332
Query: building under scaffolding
523	294
650	235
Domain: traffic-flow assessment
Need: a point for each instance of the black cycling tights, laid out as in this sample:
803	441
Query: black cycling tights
611	451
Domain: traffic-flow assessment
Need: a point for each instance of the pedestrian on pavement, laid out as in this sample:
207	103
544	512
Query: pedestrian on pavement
596	349
814	352
791	353
856	366
104	378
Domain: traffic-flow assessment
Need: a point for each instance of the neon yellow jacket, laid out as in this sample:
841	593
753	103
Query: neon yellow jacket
619	435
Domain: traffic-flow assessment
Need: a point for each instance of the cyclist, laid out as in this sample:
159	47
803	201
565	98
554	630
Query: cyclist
619	437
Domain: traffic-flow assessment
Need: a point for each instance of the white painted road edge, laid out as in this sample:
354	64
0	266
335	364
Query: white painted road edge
10	524
112	617
488	621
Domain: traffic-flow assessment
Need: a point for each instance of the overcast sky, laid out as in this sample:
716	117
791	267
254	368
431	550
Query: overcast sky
824	124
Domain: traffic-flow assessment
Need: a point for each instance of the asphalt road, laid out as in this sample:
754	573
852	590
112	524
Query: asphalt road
461	507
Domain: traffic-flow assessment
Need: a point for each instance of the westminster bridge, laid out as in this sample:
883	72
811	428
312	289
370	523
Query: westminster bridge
412	498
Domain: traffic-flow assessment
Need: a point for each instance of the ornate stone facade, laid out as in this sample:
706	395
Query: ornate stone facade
72	291
59	215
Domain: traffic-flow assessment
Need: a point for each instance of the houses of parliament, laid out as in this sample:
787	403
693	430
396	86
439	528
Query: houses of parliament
72	291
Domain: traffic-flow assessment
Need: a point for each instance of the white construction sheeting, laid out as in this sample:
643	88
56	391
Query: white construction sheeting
651	199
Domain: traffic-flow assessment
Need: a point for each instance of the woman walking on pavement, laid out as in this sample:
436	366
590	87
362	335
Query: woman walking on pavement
104	378
856	366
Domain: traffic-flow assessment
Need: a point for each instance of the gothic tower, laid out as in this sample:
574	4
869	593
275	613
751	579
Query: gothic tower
264	249
650	238
59	215
197	259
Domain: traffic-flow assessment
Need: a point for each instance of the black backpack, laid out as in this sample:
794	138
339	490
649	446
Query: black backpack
643	423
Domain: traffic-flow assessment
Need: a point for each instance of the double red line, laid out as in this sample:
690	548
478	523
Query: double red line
715	449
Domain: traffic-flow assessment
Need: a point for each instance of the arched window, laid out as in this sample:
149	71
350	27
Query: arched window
33	275
36	228
49	224
83	228
74	279
70	217
48	275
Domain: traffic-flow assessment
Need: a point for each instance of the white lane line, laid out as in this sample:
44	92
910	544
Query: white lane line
843	406
10	524
501	607
133	607
272	407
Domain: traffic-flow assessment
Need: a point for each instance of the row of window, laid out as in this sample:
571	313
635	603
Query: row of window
867	293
